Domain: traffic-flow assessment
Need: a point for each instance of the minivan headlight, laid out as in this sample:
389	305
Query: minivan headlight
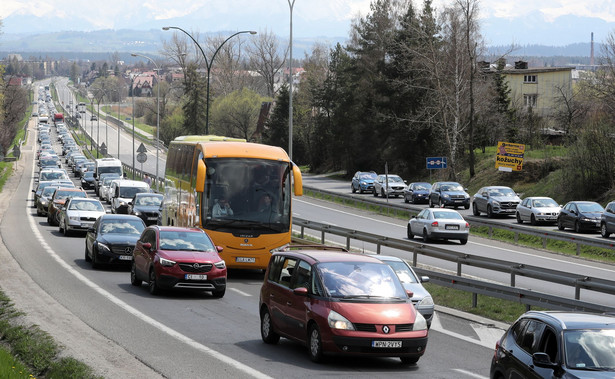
337	321
419	322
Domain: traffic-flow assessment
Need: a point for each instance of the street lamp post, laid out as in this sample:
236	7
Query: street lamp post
157	115
291	4
208	63
91	125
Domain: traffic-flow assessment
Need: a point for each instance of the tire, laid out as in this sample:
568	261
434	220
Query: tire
518	216
489	211
375	193
267	334
353	189
560	225
49	221
60	229
87	256
406	200
475	210
577	227
409	233
66	231
466	206
361	190
426	236
463	241
440	203
382	193
38	212
134	280
604	231
153	283
218	294
95	263
533	220
430	203
315	344
409	360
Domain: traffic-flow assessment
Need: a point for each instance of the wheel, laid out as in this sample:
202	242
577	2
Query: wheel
353	189
375	193
406	200
218	294
361	190
518	216
533	220
463	241
604	231
441	203
66	231
577	227
409	360
489	211
425	236
95	263
410	234
267	333
49	221
466	206
475	210
153	284
382	193
430	203
315	344
560	224
38	212
60	228
133	275
87	256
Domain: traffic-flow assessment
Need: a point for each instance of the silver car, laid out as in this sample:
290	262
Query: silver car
439	223
421	298
538	210
79	214
495	200
394	187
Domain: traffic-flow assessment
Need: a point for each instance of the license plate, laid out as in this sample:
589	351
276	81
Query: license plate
125	258
386	344
452	227
245	260
152	218
86	224
195	277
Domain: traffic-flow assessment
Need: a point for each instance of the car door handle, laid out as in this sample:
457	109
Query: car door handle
289	303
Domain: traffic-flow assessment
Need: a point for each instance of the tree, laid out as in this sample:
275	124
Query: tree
276	127
194	101
236	115
74	73
267	58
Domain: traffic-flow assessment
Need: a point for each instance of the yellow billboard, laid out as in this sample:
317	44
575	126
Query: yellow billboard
509	156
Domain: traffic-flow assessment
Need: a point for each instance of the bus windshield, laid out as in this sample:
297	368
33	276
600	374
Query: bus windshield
252	195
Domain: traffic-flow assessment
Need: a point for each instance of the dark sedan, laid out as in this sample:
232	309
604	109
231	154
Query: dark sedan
580	216
417	193
87	180
556	345
146	206
112	239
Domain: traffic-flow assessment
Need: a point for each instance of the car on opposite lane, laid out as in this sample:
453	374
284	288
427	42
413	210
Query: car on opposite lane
112	239
607	220
495	200
445	194
556	344
417	192
394	187
537	209
580	216
439	223
168	257
363	181
339	303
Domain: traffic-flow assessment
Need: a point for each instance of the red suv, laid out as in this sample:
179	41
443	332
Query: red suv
171	257
341	303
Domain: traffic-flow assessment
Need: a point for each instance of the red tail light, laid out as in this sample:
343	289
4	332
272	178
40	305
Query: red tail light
467	225
434	224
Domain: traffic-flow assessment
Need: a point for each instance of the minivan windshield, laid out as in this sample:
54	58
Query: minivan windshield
360	280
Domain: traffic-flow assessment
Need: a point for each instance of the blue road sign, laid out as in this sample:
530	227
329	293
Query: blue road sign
436	162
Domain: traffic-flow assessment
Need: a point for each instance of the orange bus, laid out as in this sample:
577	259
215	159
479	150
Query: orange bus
238	191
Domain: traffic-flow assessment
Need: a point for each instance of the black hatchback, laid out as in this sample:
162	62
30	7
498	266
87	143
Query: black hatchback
556	344
580	216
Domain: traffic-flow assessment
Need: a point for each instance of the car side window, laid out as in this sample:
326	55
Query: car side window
301	276
282	270
530	337
150	236
276	267
549	345
316	285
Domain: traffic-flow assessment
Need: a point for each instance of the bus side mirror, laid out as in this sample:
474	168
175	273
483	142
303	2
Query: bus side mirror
200	176
297	181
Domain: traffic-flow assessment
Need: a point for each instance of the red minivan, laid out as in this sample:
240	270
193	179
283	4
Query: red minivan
171	257
340	303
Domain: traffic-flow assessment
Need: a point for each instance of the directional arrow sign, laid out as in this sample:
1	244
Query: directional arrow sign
103	149
141	148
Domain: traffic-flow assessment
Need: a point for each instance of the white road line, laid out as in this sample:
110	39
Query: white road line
141	316
471	374
436	325
469	241
240	292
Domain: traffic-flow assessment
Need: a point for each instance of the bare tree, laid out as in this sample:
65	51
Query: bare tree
267	58
228	70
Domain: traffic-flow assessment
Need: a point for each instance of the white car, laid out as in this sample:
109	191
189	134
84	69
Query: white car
105	188
439	223
79	214
394	187
538	209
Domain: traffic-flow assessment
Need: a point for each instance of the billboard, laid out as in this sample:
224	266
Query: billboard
509	156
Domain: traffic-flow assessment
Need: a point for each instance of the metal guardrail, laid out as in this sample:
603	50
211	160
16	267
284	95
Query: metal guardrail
545	235
513	269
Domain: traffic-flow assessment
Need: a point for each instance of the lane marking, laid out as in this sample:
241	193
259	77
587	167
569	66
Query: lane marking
141	316
240	292
471	374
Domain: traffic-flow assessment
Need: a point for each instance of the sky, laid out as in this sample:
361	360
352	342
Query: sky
504	21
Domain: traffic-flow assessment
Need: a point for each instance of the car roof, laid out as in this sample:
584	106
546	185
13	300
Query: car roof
115	216
176	229
576	320
316	256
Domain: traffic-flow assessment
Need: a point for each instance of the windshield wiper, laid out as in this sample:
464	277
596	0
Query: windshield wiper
366	296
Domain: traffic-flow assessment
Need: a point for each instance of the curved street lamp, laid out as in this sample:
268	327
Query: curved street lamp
208	63
157	118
